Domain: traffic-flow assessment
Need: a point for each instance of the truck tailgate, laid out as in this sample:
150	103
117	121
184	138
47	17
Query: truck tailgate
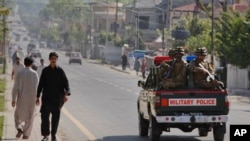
192	101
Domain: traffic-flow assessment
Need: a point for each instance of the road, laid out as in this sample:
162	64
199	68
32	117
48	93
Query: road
102	106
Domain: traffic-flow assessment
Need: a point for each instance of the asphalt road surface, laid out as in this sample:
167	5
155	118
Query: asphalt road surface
102	106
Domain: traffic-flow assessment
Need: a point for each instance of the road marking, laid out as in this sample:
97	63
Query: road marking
128	90
136	93
78	124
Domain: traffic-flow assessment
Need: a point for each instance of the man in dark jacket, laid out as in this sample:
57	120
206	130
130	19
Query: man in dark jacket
124	61
54	86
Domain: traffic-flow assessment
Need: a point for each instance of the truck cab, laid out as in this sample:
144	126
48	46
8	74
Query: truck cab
185	108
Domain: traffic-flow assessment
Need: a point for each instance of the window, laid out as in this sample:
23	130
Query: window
143	22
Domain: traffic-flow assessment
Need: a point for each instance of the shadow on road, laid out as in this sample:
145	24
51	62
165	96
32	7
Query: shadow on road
9	139
137	138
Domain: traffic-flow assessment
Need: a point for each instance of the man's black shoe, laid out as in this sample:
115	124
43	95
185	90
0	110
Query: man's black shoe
53	139
45	138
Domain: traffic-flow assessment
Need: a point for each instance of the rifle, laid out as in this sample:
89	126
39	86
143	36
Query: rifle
210	77
209	74
167	74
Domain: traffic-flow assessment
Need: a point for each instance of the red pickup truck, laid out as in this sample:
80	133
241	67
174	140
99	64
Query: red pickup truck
183	108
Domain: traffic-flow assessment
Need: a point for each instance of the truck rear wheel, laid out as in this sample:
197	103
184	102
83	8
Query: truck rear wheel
203	132
154	129
143	126
219	131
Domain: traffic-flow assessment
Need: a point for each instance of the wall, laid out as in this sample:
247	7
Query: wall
238	78
111	54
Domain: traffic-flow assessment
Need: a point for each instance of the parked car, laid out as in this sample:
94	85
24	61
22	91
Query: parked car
25	38
35	53
75	57
42	45
31	46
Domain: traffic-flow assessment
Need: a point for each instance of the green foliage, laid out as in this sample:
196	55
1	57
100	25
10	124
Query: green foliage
200	40
64	9
233	36
118	41
1	126
102	37
2	85
51	34
2	103
200	29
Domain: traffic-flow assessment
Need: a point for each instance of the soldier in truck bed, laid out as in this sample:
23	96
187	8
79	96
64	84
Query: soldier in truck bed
164	66
175	75
201	69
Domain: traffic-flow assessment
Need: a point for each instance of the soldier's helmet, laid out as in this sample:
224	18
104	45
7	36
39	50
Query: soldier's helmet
171	52
179	50
201	51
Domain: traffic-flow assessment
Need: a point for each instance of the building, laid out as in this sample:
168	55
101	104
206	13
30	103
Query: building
104	16
144	13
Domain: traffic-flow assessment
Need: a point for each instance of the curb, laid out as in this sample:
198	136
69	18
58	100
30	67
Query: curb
93	62
114	68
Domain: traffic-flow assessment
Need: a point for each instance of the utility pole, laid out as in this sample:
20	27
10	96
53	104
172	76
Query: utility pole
4	36
137	31
134	23
107	26
116	19
212	35
163	32
169	9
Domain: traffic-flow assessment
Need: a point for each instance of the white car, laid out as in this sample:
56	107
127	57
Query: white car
75	57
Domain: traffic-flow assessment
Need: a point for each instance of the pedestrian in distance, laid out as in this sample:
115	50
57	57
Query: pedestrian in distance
17	67
24	99
55	90
14	54
41	67
124	62
143	68
137	66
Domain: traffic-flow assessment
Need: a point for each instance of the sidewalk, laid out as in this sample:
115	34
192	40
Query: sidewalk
242	92
128	71
9	131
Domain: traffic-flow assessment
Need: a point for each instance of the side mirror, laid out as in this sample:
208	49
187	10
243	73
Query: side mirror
141	83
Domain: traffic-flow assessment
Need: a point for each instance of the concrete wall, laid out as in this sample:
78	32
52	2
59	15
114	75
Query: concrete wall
111	54
238	78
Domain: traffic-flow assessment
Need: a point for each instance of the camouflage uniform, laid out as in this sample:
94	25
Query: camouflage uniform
166	65
199	77
178	75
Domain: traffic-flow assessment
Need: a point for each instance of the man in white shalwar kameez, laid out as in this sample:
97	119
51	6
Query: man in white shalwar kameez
24	98
17	67
40	68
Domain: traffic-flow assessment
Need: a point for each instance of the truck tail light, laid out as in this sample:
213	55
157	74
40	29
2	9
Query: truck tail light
227	103
164	102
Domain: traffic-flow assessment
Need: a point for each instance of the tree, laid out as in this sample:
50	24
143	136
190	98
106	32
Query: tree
50	34
233	36
199	29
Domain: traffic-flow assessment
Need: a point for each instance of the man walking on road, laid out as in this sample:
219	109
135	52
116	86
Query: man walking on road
41	67
55	90
17	67
24	98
